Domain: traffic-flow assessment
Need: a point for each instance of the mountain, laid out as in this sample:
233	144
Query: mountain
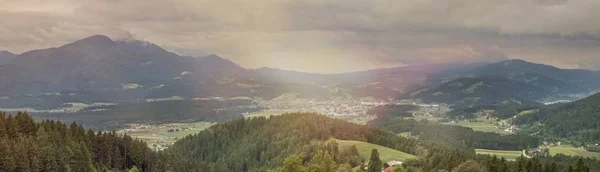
484	90
576	121
99	69
550	78
93	63
98	65
379	83
6	56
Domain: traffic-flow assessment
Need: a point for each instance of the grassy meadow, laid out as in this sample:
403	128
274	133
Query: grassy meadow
508	155
570	150
364	150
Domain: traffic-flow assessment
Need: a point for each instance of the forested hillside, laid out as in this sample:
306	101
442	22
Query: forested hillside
26	145
299	141
550	78
451	136
293	141
109	117
485	90
576	121
259	144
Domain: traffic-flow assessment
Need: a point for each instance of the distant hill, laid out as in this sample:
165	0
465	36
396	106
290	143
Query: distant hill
259	144
549	78
110	117
99	69
6	56
577	121
301	141
484	90
93	63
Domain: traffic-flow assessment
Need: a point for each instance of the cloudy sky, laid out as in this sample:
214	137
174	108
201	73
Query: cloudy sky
322	35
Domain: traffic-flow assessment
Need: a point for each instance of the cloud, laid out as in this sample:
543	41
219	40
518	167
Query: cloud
310	35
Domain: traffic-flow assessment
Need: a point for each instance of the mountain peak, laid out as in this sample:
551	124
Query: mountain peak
216	63
4	53
96	40
6	56
266	68
518	62
213	58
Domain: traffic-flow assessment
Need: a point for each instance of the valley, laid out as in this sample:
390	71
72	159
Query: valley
212	114
161	136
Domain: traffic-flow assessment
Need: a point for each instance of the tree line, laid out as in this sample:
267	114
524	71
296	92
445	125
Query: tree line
27	145
290	142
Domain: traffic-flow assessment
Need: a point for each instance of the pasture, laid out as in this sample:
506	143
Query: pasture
364	150
159	133
485	126
572	151
508	155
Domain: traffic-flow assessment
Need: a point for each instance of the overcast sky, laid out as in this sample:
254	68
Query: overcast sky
321	35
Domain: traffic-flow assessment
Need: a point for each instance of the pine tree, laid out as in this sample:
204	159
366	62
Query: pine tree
322	162
503	165
521	164
52	146
375	164
570	169
3	132
580	166
12	127
293	164
469	166
493	164
7	162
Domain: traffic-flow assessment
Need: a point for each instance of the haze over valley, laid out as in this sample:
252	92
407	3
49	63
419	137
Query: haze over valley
300	86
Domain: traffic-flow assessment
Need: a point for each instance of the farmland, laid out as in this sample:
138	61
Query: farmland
508	155
484	126
364	150
570	150
164	135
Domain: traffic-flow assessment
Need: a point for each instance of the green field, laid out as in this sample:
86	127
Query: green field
508	155
158	134
570	150
405	134
481	126
364	150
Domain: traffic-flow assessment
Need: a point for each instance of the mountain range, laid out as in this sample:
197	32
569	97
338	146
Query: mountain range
484	90
98	68
512	81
